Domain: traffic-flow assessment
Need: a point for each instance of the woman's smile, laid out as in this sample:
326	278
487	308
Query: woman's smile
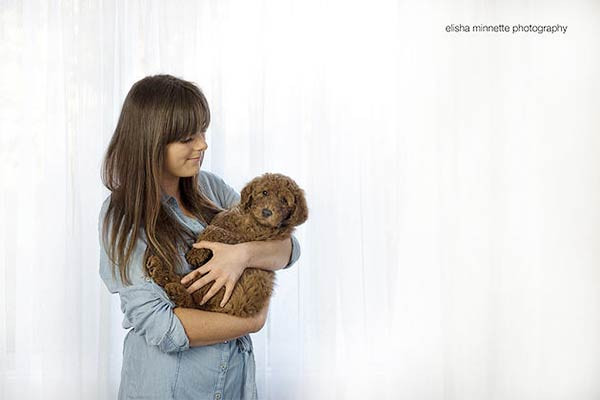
196	159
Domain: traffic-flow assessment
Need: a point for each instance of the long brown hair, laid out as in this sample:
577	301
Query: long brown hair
158	110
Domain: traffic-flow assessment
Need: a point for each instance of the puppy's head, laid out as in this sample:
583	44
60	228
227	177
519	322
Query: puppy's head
274	200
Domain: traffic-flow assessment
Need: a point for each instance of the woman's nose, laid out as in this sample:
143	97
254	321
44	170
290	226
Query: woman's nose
200	144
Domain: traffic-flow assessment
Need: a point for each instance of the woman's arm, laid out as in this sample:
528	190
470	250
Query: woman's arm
204	328
271	255
145	305
229	261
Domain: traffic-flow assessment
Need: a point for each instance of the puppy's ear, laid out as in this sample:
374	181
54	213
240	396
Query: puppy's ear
246	195
300	213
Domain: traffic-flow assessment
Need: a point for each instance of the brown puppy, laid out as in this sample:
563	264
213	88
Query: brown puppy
271	206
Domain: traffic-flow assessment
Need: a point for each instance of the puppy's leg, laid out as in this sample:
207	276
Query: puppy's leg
177	293
159	272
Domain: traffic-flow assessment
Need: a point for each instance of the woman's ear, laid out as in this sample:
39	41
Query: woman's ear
300	213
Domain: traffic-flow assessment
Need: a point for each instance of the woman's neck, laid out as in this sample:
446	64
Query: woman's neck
170	186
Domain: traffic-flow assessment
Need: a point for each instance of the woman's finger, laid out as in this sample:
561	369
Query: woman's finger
195	273
203	244
201	282
190	276
228	291
213	290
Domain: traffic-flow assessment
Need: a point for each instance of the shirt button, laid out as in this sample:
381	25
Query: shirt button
223	367
217	396
226	341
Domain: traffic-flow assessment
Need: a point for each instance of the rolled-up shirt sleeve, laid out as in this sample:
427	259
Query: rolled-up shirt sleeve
295	252
149	311
145	305
215	187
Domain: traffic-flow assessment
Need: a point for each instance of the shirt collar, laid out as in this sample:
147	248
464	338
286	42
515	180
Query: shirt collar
167	198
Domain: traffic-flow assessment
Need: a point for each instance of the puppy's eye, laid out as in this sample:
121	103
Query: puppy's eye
284	200
265	193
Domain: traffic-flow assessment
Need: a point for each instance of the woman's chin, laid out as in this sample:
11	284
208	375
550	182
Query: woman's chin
190	172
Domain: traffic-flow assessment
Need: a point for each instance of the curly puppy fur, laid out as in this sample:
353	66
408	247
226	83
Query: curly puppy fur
271	206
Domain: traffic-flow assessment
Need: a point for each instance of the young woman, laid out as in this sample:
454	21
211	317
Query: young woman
160	202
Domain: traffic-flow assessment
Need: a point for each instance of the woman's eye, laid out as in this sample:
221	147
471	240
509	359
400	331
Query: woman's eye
191	138
265	193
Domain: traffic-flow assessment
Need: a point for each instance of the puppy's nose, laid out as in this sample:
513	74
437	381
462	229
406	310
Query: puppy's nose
266	212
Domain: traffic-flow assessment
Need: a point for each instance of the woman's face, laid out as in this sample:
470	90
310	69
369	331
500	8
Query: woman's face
184	158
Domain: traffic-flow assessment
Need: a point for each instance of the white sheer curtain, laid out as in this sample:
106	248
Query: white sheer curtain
453	182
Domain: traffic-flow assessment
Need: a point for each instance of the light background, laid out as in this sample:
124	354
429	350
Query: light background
453	183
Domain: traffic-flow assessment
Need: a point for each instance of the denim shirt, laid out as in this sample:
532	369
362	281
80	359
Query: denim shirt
158	362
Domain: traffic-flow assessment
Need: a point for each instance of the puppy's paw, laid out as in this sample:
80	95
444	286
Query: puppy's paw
159	272
154	266
198	257
180	296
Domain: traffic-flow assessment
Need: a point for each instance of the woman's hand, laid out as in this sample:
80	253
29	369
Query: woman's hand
225	268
